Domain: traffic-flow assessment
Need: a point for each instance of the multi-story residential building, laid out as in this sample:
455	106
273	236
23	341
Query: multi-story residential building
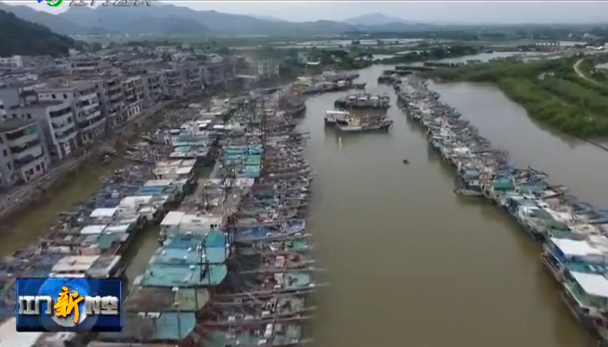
23	156
111	99
219	72
174	82
195	79
133	89
90	122
10	63
269	68
153	89
87	64
56	121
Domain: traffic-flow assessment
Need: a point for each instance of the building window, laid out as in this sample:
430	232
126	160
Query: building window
9	166
4	152
65	96
54	96
1	140
29	116
38	168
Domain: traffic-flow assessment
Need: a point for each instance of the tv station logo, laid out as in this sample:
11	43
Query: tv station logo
75	305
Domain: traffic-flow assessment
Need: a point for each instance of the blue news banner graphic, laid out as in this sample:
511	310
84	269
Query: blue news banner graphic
69	304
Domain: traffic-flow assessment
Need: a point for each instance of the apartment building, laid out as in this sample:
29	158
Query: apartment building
174	82
133	89
112	99
153	89
56	121
217	73
88	65
82	95
11	63
195	78
269	68
23	156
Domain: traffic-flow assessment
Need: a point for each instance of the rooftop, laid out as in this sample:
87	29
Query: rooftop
14	124
145	299
153	327
183	276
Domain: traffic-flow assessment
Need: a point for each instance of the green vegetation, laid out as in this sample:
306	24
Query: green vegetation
18	37
550	90
432	53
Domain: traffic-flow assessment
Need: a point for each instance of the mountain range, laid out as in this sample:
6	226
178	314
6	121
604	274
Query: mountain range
171	19
20	37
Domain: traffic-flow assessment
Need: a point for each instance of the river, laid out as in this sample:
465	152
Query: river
411	263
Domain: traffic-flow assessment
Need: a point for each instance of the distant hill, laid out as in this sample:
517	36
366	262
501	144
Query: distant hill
171	19
19	37
373	19
217	22
53	22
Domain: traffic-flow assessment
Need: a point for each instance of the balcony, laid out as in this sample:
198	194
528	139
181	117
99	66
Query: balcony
34	151
61	114
65	136
22	137
61	127
88	96
90	115
92	124
115	96
29	161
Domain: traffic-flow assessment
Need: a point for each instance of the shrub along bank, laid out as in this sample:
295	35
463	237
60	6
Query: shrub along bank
549	90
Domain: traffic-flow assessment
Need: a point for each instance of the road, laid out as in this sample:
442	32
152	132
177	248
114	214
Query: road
16	197
580	74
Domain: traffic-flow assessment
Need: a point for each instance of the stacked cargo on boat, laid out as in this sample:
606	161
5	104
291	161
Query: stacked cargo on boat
232	268
90	240
360	113
574	234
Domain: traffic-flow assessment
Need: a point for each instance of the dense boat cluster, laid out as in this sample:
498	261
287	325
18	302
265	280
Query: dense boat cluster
329	82
572	232
232	267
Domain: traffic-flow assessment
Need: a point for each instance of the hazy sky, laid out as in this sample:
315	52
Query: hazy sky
423	11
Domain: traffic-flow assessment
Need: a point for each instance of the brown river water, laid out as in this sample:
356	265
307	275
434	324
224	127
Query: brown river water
410	263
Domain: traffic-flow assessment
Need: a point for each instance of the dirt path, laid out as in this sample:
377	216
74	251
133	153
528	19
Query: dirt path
580	74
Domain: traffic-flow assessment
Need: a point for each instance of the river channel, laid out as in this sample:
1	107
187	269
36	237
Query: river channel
413	265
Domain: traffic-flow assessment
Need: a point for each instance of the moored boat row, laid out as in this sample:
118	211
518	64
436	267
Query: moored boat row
233	266
93	238
572	232
363	101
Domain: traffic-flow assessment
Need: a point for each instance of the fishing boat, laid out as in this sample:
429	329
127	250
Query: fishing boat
332	116
357	125
363	101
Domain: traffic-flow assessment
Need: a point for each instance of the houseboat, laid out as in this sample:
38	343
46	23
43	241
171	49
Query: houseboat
332	116
588	255
363	101
358	125
586	295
